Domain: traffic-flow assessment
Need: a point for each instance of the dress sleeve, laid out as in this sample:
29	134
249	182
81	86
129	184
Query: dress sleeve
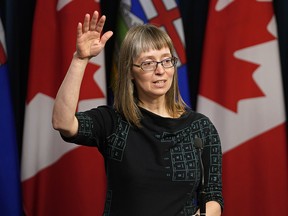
212	161
94	126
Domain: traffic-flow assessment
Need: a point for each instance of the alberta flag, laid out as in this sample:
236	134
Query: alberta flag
241	91
164	14
10	194
60	178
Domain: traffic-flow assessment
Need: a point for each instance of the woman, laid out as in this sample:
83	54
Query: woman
147	138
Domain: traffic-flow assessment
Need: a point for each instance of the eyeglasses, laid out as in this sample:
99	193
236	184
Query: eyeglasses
152	65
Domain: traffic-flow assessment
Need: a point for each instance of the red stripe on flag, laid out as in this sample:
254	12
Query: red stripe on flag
256	176
74	185
238	74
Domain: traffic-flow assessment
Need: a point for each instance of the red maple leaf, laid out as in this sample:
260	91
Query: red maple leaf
225	79
53	45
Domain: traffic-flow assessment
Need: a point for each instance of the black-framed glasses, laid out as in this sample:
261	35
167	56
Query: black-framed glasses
152	65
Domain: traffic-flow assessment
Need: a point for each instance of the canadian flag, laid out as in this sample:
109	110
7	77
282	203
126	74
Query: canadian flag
241	91
60	178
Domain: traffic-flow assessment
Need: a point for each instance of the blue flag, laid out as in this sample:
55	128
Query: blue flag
10	196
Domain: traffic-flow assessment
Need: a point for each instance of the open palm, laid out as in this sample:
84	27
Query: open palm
89	41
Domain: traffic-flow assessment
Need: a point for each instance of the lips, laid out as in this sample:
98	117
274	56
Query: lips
160	83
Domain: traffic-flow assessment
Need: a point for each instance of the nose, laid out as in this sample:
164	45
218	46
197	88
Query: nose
159	68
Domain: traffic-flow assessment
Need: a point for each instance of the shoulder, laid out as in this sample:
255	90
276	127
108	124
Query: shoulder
195	115
198	119
103	119
103	115
103	110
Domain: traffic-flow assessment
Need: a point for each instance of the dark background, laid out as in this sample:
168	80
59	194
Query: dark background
17	17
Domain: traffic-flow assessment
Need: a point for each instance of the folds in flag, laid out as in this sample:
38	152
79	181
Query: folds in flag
60	178
241	91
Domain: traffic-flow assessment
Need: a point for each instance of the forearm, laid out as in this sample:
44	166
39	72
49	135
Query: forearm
66	101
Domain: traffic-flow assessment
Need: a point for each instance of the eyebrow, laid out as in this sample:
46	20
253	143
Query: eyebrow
153	57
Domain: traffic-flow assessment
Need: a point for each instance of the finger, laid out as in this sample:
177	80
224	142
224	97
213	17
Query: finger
105	37
94	20
79	30
100	24
86	23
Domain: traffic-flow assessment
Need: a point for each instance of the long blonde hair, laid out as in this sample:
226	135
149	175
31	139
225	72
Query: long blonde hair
142	38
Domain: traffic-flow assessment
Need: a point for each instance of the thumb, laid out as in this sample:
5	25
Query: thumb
105	37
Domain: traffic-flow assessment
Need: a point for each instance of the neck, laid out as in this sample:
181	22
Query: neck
157	107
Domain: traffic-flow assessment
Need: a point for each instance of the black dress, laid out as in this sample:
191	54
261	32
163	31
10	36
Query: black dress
153	170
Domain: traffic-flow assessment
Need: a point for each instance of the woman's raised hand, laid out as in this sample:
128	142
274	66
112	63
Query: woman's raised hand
90	41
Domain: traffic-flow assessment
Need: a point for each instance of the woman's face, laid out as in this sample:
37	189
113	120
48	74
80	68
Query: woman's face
152	84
